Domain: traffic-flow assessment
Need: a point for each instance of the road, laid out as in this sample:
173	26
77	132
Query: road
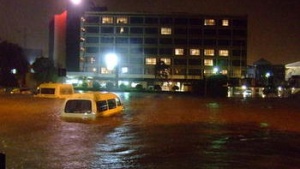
158	131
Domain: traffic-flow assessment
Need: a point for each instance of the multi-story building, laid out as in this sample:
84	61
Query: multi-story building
193	46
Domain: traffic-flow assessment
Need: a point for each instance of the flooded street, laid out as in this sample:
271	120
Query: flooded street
155	131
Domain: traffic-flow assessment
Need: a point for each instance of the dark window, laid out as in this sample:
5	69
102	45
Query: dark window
180	21
150	51
166	51
136	30
180	41
194	61
239	43
136	40
151	20
180	61
102	105
194	71
107	30
92	49
151	41
78	106
239	53
195	42
92	40
107	39
165	41
239	23
136	20
179	31
151	31
224	42
209	32
136	60
92	29
225	32
239	33
196	21
121	50
121	40
195	31
166	20
136	50
209	42
111	103
92	19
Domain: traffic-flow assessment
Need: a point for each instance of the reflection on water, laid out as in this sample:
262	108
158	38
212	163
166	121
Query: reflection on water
154	131
202	145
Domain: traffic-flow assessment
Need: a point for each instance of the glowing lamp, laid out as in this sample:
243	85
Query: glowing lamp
111	61
76	2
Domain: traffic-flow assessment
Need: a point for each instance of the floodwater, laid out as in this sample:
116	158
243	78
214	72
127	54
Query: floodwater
159	131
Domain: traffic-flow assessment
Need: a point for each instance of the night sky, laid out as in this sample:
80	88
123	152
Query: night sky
273	25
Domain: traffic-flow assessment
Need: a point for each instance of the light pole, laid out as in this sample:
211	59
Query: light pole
111	60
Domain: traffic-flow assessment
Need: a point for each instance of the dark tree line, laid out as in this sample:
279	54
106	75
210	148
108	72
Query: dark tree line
13	64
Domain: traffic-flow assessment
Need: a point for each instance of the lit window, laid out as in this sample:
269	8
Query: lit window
179	51
166	31
92	60
208	62
94	69
224	72
195	52
223	53
124	70
104	70
225	22
122	20
167	61
107	20
209	22
150	61
209	52
82	19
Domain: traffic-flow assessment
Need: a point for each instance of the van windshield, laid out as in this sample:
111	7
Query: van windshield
78	106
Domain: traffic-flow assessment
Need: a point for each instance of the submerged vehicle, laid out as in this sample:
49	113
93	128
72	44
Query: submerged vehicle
55	90
92	105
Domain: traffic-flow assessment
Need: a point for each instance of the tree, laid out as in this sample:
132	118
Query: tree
44	70
13	64
162	70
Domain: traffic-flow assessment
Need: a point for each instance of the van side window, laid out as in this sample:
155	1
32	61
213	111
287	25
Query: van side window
64	90
111	103
47	90
101	105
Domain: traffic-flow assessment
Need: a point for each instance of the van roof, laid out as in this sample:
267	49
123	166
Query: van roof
54	84
94	95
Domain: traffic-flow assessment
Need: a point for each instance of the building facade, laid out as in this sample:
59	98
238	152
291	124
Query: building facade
191	46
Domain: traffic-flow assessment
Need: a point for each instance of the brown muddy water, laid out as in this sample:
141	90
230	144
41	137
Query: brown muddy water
155	131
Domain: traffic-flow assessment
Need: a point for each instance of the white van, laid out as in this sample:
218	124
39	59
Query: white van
55	90
92	105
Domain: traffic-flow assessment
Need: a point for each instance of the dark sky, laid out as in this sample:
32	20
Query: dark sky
273	25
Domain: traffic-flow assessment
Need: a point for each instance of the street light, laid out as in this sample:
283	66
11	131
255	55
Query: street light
111	60
76	2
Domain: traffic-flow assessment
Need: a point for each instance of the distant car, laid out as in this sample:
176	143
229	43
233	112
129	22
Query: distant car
21	91
92	105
